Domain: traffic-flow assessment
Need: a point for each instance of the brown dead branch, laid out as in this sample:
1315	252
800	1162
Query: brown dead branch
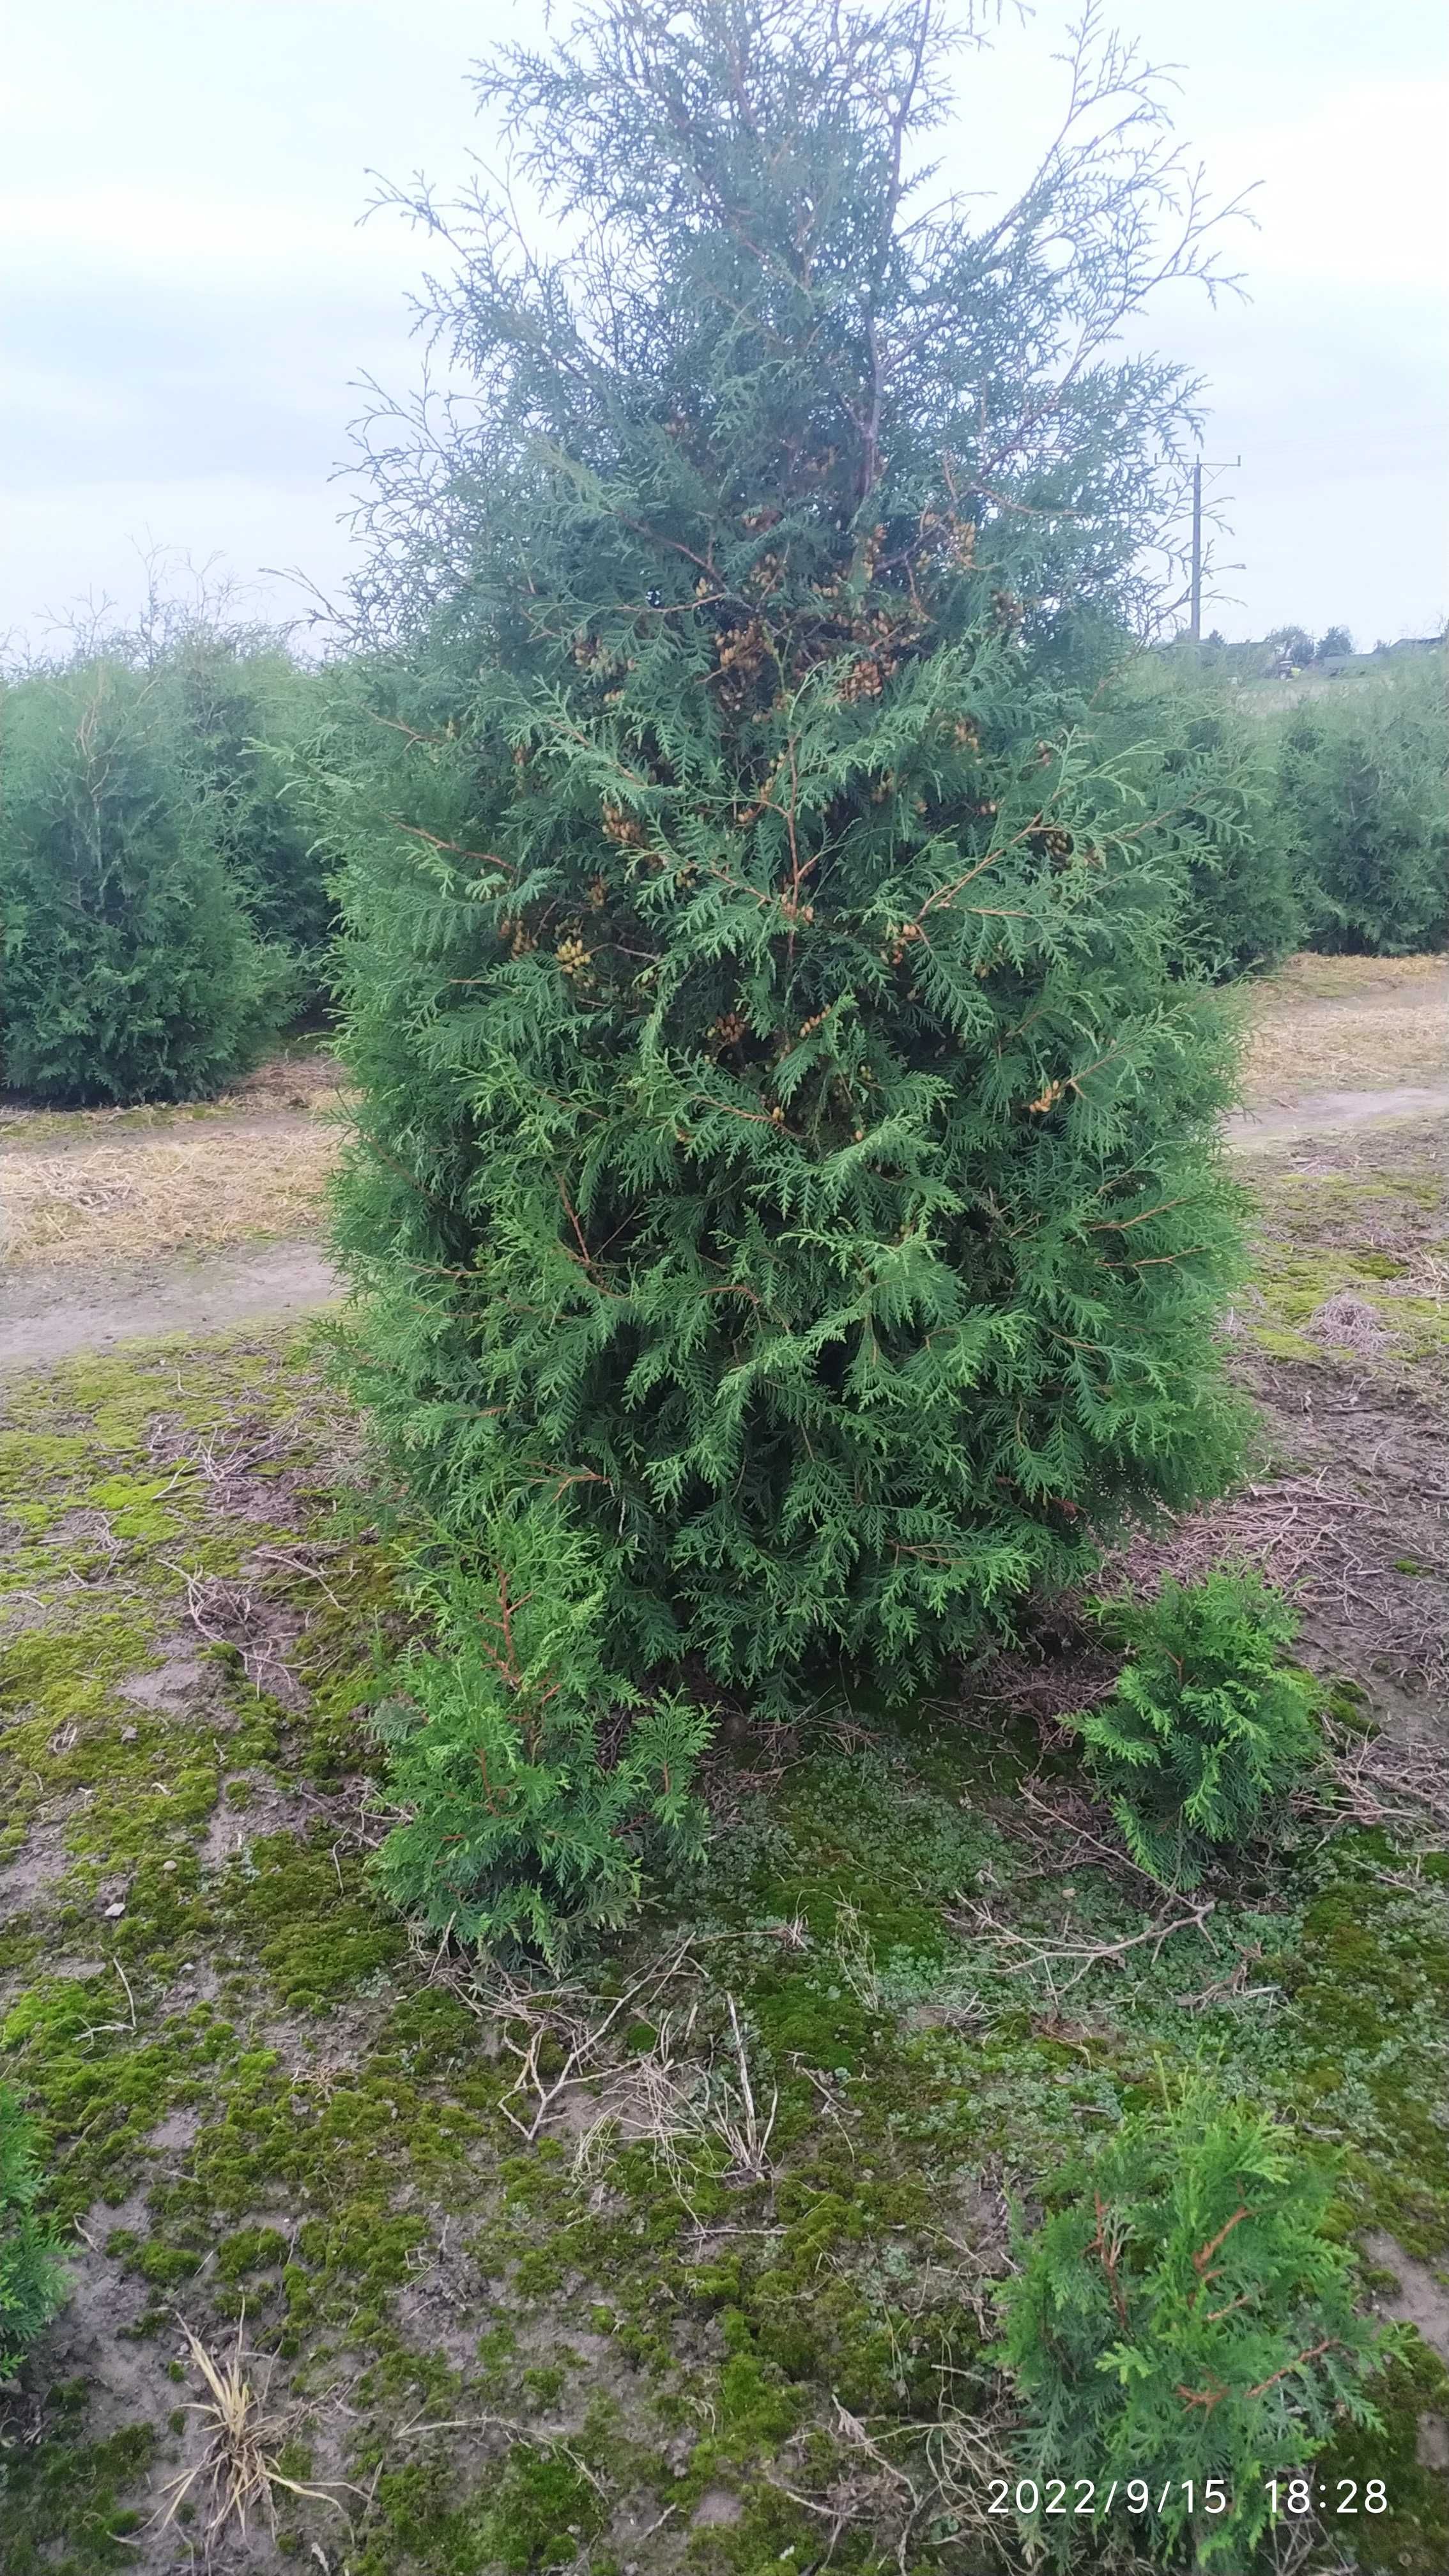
559	2036
978	1922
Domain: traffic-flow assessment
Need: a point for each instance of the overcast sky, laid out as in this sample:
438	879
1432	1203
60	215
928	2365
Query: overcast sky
187	299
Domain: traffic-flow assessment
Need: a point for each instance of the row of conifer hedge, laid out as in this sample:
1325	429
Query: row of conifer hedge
166	910
162	906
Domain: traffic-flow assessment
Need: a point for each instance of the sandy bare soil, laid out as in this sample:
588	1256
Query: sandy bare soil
1324	1025
117	1224
1331	1112
200	1186
108	1185
49	1314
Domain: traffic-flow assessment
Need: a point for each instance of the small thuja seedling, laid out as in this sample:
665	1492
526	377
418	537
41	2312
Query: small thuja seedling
1209	1726
32	2281
1185	2307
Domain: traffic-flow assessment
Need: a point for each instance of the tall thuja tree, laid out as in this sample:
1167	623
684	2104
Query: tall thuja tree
1210	776
128	971
782	1139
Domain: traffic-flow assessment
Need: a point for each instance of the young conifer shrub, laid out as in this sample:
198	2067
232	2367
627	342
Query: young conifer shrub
1365	798
242	708
1208	776
130	971
1184	2317
32	2281
1209	1725
781	1119
531	1779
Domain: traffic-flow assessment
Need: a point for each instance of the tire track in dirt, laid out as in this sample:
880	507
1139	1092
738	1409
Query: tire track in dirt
51	1314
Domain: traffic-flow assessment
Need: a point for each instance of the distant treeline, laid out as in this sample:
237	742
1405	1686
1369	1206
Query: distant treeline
166	793
1293	649
1323	823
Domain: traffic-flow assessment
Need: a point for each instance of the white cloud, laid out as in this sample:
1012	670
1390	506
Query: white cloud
189	296
147	231
1352	194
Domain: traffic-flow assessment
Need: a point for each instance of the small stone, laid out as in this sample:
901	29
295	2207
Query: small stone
167	1866
114	1912
129	1734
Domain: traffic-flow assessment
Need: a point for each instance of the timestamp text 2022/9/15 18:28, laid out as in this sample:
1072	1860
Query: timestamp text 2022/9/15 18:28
1289	2497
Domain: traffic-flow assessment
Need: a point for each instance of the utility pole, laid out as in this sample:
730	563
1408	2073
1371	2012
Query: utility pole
1221	466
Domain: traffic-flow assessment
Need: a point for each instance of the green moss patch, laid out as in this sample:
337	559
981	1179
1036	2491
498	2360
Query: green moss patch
64	2508
267	2109
1372	1231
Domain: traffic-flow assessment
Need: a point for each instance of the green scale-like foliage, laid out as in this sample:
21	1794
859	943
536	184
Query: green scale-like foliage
1209	1726
1184	2317
32	2283
241	707
1209	770
1366	804
530	1780
782	1135
129	969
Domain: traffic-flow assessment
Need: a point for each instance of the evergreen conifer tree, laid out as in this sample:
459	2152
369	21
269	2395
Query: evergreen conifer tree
1125	2371
783	1137
242	707
1209	773
32	2281
129	970
1210	1725
1365	798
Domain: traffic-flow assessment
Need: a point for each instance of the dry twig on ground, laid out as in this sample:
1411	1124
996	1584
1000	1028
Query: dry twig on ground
558	2035
228	1610
1331	1551
1374	1776
682	2105
978	1922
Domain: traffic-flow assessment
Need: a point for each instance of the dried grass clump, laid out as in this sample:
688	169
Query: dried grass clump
302	1077
1348	1323
685	2108
218	1183
238	2467
1348	1024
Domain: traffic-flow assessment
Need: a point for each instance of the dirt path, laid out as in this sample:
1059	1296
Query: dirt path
1330	1112
49	1314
